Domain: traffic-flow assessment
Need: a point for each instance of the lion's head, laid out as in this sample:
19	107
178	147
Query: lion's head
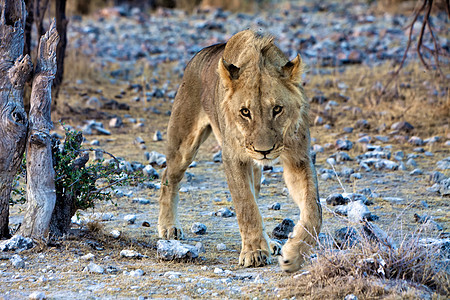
263	99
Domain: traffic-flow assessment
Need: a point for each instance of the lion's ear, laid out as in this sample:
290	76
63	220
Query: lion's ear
228	72
293	70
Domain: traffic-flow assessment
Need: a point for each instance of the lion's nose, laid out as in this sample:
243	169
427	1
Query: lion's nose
263	152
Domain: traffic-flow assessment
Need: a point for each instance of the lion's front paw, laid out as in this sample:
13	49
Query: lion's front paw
170	232
256	258
291	264
293	255
275	247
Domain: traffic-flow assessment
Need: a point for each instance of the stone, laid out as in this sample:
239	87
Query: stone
348	129
375	233
130	219
416	172
445	187
336	199
16	243
115	233
326	176
362	124
415	140
331	161
357	197
402	126
221	247
94	268
141	201
341	156
282	230
87	257
37	296
198	228
157	136
346	237
137	273
131	254
150	172
17	261
115	122
275	206
156	158
355	176
443	164
173	249
357	211
411	163
350	297
94	102
379	164
217	157
200	247
224	212
343	144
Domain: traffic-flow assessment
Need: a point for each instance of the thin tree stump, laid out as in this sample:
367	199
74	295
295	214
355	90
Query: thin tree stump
41	194
14	72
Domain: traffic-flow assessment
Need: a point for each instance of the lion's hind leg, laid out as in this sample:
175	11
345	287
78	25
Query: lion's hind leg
188	129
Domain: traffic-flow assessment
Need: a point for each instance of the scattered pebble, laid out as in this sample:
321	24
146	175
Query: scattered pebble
221	247
275	206
172	249
282	230
130	219
131	254
224	212
17	261
198	228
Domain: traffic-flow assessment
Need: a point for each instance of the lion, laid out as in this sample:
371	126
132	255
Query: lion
249	94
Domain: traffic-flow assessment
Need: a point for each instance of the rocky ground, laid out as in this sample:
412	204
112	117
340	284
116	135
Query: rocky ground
382	151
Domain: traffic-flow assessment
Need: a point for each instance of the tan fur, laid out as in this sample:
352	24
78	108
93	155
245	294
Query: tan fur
248	93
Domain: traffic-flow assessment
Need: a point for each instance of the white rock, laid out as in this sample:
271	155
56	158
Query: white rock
94	268
357	211
115	233
17	261
221	247
137	273
87	257
17	242
131	254
37	296
218	271
130	219
172	249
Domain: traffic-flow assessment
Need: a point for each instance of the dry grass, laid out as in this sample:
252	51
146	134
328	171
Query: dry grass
372	271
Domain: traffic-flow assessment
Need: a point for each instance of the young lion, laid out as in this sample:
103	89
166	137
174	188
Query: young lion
249	94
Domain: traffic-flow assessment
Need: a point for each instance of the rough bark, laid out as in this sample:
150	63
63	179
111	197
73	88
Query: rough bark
61	27
28	26
41	194
14	71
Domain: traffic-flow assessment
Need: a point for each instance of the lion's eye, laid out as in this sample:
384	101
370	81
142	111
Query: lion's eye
245	112
277	110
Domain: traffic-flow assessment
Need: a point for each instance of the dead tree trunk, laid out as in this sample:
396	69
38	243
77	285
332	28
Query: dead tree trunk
14	71
61	26
41	194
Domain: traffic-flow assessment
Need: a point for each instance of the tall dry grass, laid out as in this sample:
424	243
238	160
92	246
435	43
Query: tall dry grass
373	271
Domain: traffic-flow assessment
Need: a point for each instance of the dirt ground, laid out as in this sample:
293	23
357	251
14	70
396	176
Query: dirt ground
60	269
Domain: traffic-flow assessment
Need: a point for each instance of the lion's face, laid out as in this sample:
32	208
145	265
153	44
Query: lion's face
263	110
263	117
